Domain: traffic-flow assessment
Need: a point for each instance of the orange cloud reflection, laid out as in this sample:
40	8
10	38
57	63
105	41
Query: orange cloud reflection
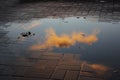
64	40
99	69
31	25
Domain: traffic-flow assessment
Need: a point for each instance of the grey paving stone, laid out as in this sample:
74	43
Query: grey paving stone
67	67
86	68
8	70
7	78
2	68
88	78
70	62
13	60
71	75
58	74
21	71
39	73
53	54
51	64
23	78
68	57
50	58
89	74
41	64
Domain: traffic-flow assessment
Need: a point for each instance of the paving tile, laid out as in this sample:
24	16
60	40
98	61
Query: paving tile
50	58
7	78
8	70
8	60
58	74
41	64
39	73
70	62
67	67
71	75
51	64
88	74
21	71
77	56
34	55
86	67
2	68
88	78
53	54
23	78
68	57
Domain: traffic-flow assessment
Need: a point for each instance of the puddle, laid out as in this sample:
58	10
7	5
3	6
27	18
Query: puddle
95	41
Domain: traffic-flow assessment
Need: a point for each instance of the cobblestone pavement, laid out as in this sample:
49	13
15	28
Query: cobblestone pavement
102	11
54	66
50	66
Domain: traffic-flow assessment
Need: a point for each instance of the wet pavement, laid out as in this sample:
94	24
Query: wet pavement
60	41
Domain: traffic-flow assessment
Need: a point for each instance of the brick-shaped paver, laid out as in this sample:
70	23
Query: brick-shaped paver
88	74
40	64
8	70
68	56
58	74
7	78
19	78
36	73
71	75
53	54
52	64
89	78
70	62
67	67
87	68
2	67
50	57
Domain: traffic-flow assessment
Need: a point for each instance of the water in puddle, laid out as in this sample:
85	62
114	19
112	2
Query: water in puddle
96	42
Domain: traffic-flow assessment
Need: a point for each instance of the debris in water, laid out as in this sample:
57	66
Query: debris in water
83	34
33	34
84	17
26	34
78	17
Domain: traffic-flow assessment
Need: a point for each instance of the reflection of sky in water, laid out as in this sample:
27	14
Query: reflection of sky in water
97	42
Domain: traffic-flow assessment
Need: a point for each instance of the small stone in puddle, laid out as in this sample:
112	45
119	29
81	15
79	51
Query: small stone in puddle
26	34
33	34
84	17
29	33
78	17
83	34
19	37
